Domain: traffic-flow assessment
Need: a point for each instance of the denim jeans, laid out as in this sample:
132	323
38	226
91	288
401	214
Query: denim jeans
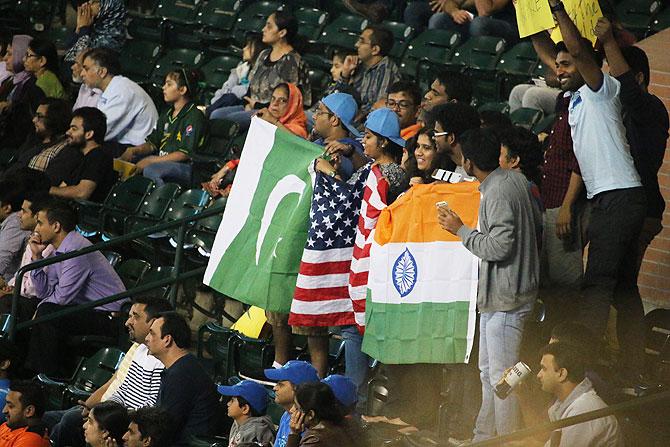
500	336
68	431
167	171
234	113
357	363
417	15
479	26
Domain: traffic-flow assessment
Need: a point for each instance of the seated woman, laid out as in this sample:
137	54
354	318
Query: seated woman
320	417
100	24
42	61
285	111
425	158
180	132
106	424
280	63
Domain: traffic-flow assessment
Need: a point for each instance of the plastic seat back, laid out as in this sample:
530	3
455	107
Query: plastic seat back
139	58
181	11
311	22
132	271
98	369
174	60
526	117
434	47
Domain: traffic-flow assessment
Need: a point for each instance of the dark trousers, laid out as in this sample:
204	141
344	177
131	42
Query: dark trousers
611	271
66	427
48	340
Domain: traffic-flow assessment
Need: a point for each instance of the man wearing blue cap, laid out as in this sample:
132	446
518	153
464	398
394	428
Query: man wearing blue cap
292	374
333	122
247	405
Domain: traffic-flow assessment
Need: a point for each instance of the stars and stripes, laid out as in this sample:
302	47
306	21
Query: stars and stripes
321	295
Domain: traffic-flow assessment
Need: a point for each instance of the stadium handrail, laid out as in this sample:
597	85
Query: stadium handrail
176	277
573	420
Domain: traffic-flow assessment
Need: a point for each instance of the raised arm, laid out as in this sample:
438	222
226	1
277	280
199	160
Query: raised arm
587	66
615	59
545	49
488	7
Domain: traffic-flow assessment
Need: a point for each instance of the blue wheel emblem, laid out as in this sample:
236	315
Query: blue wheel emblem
404	273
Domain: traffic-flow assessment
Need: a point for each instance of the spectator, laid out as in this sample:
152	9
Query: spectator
247	405
134	385
32	203
100	24
383	144
279	64
371	72
236	86
181	131
320	418
451	121
23	410
374	10
6	74
506	244
344	390
288	377
105	424
425	158
286	110
131	114
404	98
149	427
9	355
562	374
520	151
493	18
95	175
538	97
186	393
87	96
447	87
17	110
78	280
12	237
646	121
41	60
616	193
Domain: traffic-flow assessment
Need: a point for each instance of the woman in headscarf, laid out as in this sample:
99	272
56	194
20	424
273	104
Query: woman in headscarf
100	24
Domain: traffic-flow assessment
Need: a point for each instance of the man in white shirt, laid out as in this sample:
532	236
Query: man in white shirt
87	97
562	373
614	190
131	114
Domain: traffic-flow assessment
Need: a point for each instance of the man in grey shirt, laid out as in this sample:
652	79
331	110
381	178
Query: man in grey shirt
506	244
12	237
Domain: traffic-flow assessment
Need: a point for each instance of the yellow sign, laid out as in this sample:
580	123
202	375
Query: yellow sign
533	16
585	14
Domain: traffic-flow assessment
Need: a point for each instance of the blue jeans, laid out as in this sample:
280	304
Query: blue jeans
357	363
499	342
166	171
479	26
68	431
236	114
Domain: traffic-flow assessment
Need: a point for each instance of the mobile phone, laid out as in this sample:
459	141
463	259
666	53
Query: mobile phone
442	204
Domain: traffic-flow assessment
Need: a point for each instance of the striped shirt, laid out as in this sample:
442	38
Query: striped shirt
138	385
373	82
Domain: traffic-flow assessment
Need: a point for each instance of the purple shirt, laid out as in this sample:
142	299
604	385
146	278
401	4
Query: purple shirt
77	280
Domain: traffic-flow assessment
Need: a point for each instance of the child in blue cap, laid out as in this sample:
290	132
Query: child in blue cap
247	405
288	377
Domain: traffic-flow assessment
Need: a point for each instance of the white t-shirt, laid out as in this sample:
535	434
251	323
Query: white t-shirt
599	139
131	114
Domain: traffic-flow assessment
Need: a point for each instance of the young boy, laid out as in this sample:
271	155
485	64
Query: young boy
247	405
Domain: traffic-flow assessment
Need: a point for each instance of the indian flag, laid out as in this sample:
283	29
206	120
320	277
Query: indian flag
422	285
257	250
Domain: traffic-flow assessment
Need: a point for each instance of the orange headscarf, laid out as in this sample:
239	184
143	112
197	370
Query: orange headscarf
294	119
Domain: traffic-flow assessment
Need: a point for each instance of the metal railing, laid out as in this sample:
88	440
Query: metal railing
176	277
573	420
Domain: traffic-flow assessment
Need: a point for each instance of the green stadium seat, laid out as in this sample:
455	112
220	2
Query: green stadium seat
174	60
216	19
343	32
311	22
402	35
59	35
252	19
139	58
217	70
201	237
147	29
526	117
113	257
661	22
132	271
180	11
502	107
516	66
478	57
153	208
148	10
253	356
41	14
637	15
544	125
217	342
156	274
318	81
432	47
124	202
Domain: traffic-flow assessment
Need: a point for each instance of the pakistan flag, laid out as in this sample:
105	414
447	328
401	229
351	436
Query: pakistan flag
257	251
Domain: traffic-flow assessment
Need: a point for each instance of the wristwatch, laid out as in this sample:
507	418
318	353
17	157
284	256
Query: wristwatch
557	7
332	173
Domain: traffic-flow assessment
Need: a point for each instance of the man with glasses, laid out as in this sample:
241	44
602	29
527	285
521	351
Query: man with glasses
372	71
451	120
404	98
134	385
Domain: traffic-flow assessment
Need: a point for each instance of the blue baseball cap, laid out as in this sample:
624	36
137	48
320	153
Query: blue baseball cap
385	123
294	371
251	391
343	388
343	106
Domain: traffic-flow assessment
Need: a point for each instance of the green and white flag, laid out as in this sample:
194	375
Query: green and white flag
257	250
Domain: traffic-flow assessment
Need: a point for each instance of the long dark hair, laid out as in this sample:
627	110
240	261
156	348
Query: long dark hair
111	417
319	398
440	161
287	21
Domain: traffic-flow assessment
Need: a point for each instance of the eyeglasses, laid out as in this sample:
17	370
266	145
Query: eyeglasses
318	112
404	104
440	134
31	55
40	116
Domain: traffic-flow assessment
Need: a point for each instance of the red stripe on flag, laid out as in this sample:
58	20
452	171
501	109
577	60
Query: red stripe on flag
325	294
324	268
332	319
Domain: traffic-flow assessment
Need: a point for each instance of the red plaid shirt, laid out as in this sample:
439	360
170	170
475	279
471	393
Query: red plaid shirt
559	159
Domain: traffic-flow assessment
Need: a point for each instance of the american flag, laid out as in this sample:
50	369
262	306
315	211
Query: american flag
321	295
375	195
